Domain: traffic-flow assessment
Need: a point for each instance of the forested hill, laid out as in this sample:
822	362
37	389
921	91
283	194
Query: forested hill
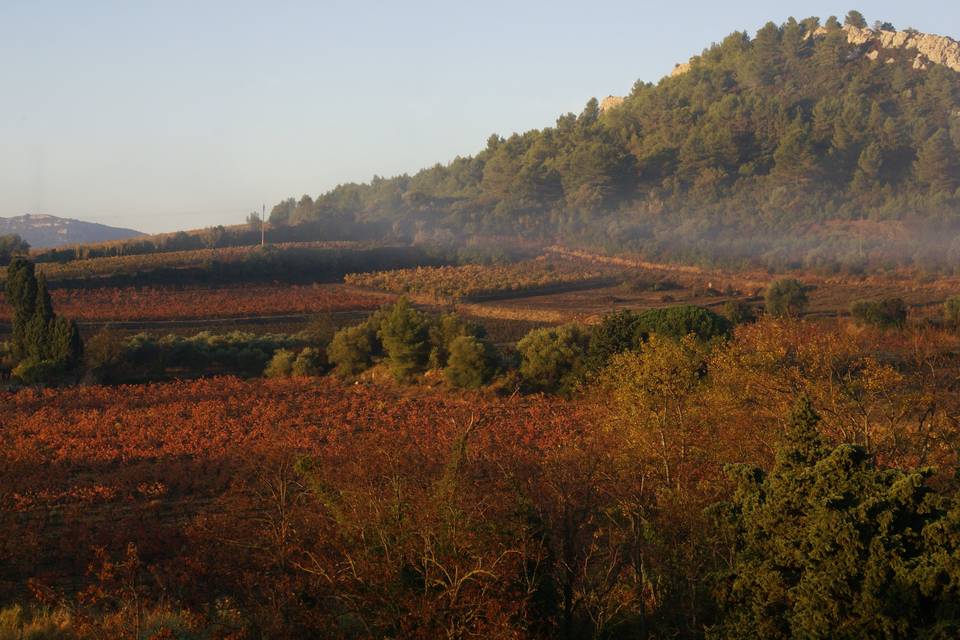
831	130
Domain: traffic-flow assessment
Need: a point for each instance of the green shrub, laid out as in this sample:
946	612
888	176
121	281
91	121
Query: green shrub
786	298
280	365
309	363
405	334
443	332
471	363
616	333
104	356
554	358
886	313
111	357
351	350
33	371
625	330
680	321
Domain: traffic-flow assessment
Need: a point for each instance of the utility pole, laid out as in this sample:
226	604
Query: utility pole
263	230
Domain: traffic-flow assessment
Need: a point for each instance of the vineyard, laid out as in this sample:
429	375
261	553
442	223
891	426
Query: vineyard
272	507
86	267
289	262
166	303
90	466
479	282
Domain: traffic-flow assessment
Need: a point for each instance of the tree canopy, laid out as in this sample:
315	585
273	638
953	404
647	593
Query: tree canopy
829	544
793	126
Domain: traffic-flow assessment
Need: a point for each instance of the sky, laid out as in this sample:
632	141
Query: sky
176	115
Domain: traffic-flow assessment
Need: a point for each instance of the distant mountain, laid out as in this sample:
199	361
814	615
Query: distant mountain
50	231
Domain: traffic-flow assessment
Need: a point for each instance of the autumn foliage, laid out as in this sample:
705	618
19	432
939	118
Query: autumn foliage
174	303
279	507
476	281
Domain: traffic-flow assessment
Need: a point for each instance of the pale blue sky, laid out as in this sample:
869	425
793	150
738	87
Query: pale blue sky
169	115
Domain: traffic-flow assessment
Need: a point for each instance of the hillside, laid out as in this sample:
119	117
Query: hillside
844	136
42	231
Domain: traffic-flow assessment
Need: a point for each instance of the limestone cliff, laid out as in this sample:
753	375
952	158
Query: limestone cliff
929	48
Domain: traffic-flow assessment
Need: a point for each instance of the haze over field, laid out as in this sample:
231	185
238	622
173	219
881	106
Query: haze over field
184	116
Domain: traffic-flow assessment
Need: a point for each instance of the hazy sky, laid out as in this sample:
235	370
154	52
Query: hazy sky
169	115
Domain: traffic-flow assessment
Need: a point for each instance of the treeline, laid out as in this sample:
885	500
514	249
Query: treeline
335	228
409	342
292	263
400	340
789	129
405	342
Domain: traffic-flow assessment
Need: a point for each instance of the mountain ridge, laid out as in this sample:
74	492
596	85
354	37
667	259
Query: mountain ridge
44	230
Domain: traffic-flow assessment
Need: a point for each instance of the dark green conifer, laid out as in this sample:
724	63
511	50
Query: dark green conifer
41	341
829	545
22	297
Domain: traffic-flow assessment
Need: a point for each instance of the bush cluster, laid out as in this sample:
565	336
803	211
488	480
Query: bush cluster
786	298
885	313
409	342
626	330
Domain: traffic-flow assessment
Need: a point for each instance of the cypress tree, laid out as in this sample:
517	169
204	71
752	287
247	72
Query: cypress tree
39	335
43	306
21	290
38	338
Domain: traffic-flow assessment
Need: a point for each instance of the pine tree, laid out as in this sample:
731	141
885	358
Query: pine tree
766	55
793	43
855	19
869	164
794	159
937	164
871	161
405	333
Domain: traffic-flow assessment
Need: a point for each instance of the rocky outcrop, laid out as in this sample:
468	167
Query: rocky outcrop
930	49
610	102
681	68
